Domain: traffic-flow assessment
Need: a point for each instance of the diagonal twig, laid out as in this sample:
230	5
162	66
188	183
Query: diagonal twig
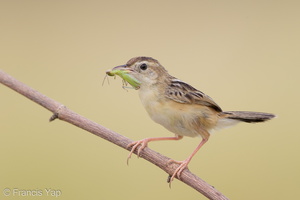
63	113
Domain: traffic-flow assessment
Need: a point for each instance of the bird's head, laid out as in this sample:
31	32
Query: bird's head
140	72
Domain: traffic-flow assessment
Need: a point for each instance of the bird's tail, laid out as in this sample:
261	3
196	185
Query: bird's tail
230	118
249	117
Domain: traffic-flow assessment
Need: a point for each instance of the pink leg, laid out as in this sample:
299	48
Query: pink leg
184	164
144	143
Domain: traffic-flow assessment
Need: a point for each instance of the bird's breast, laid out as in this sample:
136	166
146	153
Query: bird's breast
181	119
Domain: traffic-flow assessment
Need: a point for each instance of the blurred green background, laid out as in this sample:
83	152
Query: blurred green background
244	54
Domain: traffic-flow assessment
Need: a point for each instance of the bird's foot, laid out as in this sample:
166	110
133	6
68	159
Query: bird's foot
182	165
134	145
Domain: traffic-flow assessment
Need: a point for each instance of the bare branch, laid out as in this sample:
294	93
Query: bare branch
63	113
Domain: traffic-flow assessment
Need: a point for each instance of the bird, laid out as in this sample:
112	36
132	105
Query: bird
177	106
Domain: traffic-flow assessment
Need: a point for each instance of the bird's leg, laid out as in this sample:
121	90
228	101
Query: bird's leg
144	143
184	164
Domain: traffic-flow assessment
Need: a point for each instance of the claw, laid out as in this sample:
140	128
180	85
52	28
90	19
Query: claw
134	145
182	166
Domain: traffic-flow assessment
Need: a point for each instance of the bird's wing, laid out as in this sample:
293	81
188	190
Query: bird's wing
182	92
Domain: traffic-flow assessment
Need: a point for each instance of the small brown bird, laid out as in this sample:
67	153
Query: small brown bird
177	106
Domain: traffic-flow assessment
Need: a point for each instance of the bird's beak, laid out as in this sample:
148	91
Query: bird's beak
126	74
116	70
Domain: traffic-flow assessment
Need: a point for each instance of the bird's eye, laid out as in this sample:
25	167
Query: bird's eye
143	66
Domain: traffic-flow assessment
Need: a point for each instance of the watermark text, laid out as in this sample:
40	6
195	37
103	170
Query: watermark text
18	192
